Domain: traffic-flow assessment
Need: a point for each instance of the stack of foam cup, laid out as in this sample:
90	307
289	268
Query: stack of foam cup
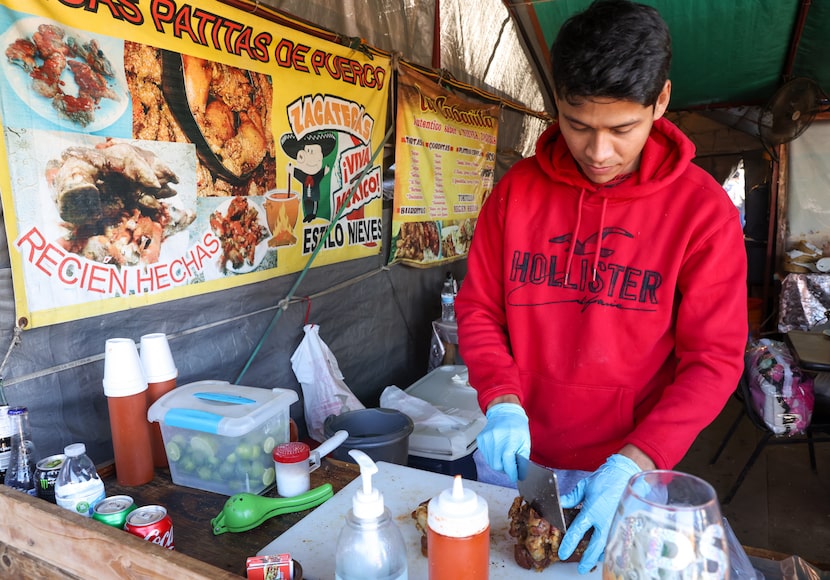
126	391
160	372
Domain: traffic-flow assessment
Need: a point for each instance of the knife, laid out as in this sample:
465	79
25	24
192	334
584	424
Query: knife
538	486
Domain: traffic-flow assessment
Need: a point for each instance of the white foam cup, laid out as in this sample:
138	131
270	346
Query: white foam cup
156	358
123	375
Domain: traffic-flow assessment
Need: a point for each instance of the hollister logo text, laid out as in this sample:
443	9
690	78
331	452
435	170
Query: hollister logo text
593	275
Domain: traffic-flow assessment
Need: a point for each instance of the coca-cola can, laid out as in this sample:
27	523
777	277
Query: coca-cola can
152	523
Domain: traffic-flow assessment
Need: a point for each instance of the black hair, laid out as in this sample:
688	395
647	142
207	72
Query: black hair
615	49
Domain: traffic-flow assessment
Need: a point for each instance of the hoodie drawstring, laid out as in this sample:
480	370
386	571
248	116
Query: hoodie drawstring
600	236
574	241
575	238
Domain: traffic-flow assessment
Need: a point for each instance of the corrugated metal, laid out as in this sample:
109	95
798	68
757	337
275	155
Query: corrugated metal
813	57
724	53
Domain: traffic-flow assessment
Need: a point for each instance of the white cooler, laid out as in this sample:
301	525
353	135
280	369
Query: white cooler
447	451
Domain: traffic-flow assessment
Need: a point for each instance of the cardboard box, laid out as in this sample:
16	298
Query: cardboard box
219	437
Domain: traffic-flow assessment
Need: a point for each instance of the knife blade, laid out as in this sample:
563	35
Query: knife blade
538	486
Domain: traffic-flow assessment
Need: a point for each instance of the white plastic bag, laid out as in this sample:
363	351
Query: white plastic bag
422	413
324	391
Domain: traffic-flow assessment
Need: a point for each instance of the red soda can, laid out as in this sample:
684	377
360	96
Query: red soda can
152	523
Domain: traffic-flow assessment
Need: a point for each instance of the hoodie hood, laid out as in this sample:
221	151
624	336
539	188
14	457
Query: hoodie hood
665	156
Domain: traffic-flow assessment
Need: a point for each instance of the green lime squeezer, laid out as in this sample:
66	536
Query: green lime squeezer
245	511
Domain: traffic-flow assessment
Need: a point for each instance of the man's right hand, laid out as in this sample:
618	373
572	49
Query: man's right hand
506	434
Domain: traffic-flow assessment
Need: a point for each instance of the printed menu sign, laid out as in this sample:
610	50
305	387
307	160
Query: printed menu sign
445	155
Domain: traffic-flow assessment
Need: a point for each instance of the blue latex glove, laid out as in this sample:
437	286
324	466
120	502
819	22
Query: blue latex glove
506	434
600	494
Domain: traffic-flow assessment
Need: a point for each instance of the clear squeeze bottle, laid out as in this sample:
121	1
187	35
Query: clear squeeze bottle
23	458
370	546
78	487
458	535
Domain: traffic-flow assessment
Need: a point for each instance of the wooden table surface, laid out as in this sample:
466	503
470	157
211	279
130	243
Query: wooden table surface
192	509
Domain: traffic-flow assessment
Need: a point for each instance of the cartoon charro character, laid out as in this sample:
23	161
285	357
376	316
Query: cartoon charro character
309	153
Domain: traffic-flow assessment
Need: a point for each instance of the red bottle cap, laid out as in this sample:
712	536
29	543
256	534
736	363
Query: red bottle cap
291	452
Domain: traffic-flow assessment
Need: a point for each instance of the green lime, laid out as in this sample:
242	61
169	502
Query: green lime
269	444
226	471
204	445
231	458
256	471
197	457
268	476
245	451
187	465
174	451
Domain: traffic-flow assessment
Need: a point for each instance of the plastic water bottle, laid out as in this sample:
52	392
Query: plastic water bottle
78	487
448	299
5	433
23	458
370	546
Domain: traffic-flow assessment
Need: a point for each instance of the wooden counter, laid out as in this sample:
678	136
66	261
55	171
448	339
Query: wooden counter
41	540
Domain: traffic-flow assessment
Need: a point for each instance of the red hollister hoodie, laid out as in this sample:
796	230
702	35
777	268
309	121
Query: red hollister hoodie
617	313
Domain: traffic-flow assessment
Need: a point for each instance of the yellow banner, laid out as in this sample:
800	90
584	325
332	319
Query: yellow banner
445	156
162	149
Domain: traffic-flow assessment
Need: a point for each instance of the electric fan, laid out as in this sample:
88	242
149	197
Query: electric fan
789	112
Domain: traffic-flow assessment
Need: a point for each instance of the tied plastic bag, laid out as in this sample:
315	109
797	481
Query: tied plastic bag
782	394
324	391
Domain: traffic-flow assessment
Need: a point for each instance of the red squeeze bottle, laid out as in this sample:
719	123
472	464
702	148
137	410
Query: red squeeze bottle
458	535
160	372
126	391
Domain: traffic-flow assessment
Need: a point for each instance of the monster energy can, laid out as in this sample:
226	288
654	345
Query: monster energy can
46	474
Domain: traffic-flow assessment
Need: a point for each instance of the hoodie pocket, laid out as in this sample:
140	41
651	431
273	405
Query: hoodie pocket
575	424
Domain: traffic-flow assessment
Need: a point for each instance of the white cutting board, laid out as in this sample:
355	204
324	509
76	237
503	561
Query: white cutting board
312	541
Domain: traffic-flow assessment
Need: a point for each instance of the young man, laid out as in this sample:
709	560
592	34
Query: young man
603	316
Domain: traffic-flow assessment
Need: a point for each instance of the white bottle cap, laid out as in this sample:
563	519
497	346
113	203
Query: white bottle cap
74	450
457	512
367	502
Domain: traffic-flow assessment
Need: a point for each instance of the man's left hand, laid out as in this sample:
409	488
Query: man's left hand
599	493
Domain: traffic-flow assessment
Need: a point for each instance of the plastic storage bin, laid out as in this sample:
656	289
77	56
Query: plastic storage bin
219	437
447	451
